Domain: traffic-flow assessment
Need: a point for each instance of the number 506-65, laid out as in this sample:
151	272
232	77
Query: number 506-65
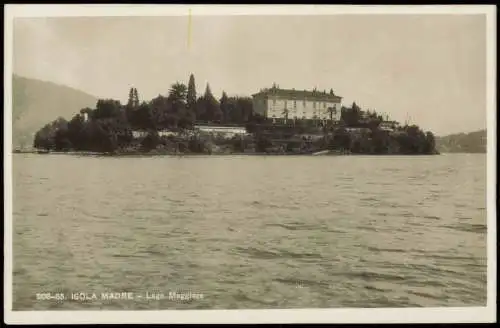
43	296
49	296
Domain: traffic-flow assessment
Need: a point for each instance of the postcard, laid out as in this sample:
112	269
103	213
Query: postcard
249	164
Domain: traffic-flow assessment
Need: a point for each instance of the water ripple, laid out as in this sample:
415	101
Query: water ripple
281	232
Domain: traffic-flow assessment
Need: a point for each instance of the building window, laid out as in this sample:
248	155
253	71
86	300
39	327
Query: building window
274	102
295	104
285	103
314	104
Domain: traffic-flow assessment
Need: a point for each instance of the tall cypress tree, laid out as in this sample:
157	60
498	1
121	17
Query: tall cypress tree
191	97
224	107
212	108
135	98
130	101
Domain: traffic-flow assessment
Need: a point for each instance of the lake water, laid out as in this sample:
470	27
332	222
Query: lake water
250	231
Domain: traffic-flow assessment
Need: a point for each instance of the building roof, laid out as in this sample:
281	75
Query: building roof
299	94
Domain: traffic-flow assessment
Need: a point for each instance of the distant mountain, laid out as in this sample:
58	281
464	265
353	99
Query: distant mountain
473	142
36	103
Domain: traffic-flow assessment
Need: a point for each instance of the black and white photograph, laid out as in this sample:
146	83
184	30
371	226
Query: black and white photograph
249	164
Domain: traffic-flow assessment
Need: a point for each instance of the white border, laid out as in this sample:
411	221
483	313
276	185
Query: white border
381	315
223	10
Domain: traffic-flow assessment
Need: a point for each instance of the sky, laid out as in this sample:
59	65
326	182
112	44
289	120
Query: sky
429	69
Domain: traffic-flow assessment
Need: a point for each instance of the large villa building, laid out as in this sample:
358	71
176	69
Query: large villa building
279	104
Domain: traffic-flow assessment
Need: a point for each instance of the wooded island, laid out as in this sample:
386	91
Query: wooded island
183	123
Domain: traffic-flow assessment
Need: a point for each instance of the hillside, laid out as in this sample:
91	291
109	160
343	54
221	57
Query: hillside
35	103
473	142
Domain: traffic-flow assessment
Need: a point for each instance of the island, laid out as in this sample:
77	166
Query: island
274	121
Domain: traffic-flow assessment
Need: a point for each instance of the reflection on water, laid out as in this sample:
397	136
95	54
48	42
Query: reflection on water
251	232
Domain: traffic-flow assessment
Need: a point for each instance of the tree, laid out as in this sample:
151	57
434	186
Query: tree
143	117
381	141
76	129
135	99
49	136
160	111
351	116
412	140
107	108
178	93
53	136
177	99
211	109
44	138
430	146
191	96
103	140
243	109
225	107
130	101
61	140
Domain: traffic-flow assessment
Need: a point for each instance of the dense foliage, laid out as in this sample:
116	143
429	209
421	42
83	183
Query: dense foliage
409	140
109	128
110	124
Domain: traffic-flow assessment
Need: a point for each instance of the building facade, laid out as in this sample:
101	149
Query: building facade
226	131
276	103
221	130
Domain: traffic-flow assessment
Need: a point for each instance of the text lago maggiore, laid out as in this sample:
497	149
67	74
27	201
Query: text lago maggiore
172	296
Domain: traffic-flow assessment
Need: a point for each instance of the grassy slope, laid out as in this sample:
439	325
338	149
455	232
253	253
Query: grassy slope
36	103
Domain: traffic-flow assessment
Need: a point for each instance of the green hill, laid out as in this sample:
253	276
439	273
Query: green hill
35	103
473	142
